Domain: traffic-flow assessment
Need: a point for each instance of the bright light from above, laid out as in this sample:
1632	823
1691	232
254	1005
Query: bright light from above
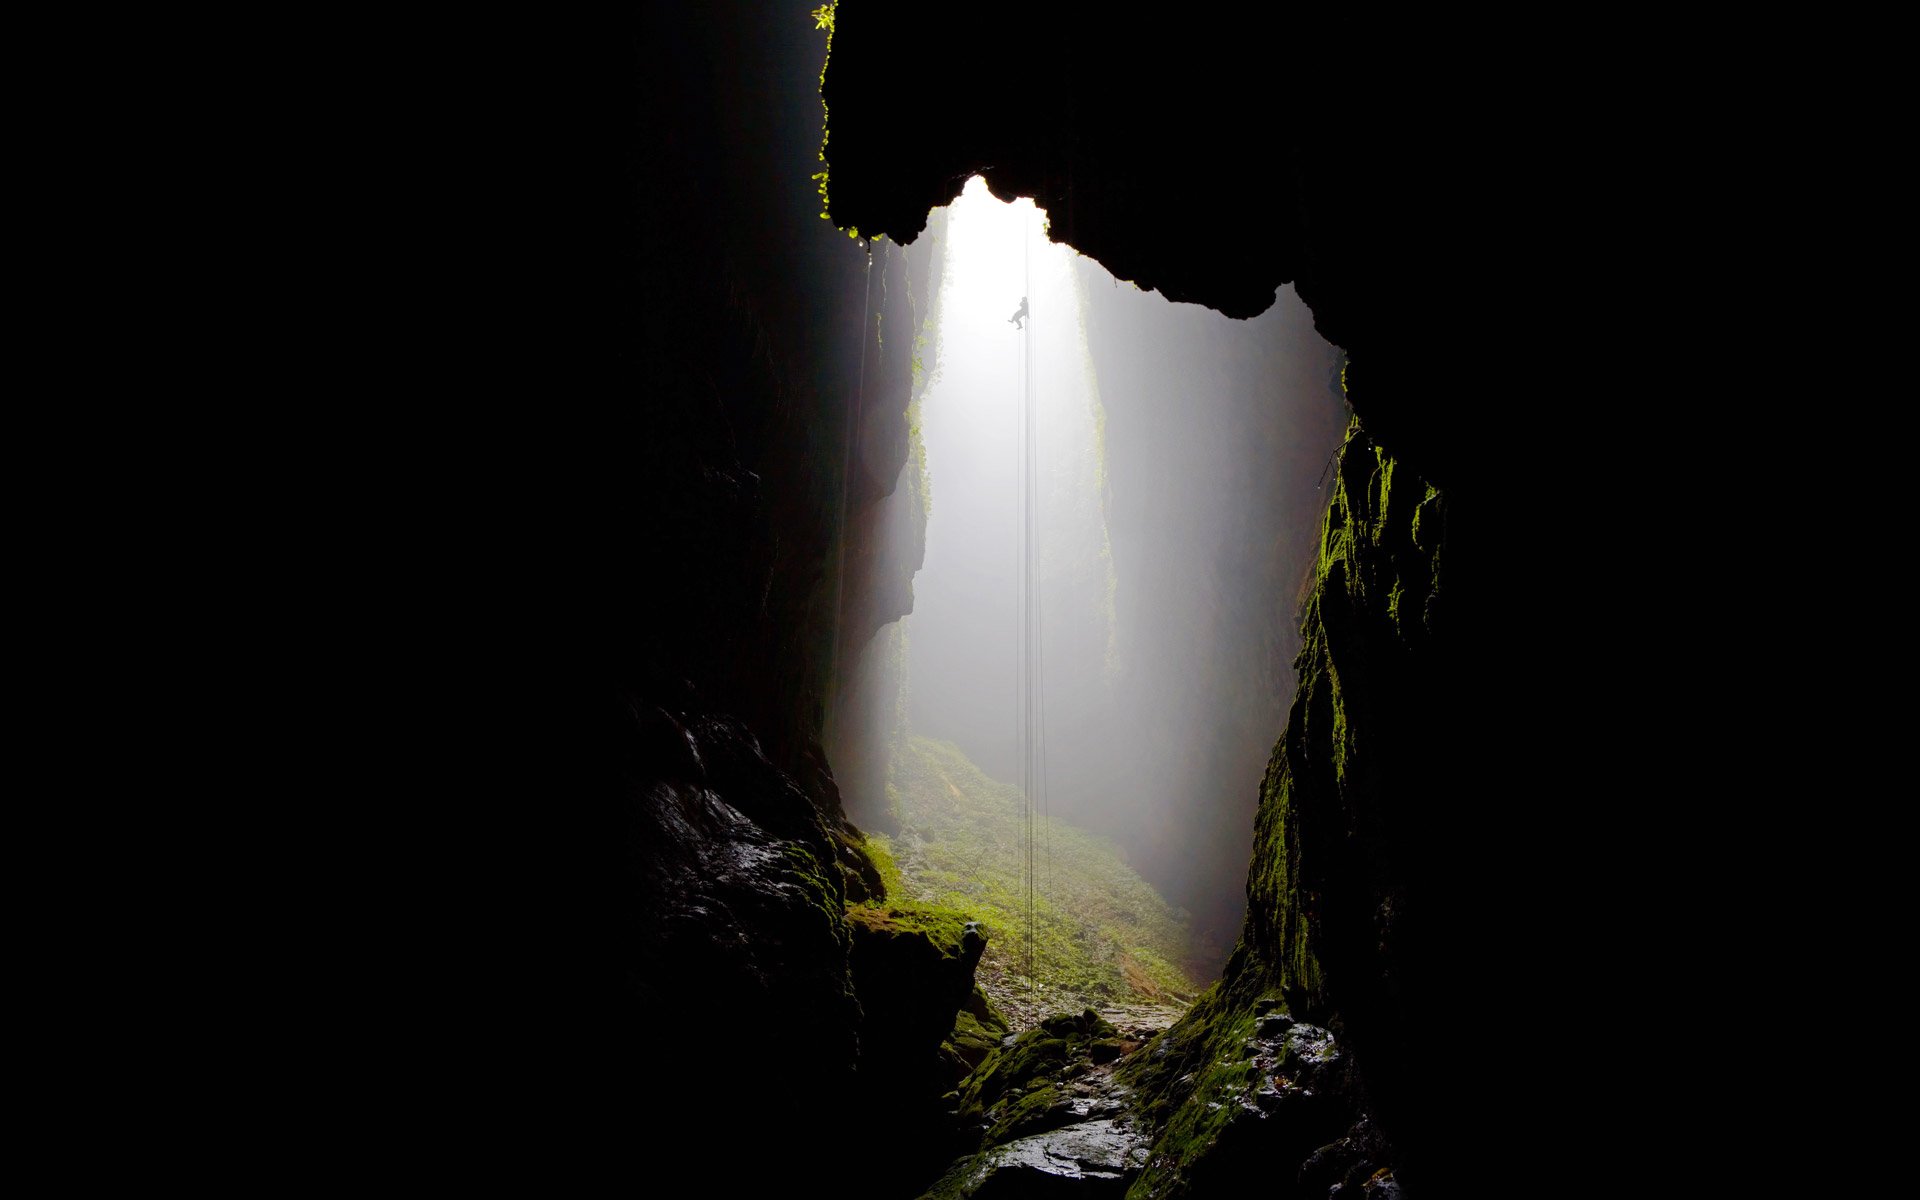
1100	616
964	633
994	249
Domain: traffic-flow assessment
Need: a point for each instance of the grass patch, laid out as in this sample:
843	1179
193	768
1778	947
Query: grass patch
1101	933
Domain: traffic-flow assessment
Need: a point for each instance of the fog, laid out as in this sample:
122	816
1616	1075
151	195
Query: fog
1175	507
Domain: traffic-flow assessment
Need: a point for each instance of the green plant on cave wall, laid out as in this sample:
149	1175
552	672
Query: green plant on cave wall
823	19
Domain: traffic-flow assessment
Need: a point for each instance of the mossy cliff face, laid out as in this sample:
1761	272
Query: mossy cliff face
1325	851
913	970
1043	1116
1265	1084
1320	950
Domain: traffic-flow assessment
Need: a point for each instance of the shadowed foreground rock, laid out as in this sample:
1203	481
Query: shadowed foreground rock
1224	1102
1099	1158
1048	1116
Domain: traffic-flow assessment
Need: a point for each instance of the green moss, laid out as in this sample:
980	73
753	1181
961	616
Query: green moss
822	888
1101	932
944	928
823	19
971	1042
1371	607
1191	1128
1032	1112
921	480
1016	1089
880	849
978	1032
959	1181
927	359
944	925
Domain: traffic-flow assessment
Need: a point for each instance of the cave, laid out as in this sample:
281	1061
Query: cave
690	516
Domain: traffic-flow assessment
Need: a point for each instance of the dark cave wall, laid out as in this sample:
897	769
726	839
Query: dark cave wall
682	395
1214	158
1355	843
634	403
889	519
890	539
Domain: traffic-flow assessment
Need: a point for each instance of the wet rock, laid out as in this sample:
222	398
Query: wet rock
1040	1079
1266	1095
1347	1168
978	1030
1091	1159
914	980
1310	1045
1361	1185
1089	1155
971	1042
1048	1117
1326	1169
729	899
1086	1024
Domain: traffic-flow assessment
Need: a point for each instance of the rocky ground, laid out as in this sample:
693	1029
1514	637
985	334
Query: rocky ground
1025	1008
1052	1117
1048	1115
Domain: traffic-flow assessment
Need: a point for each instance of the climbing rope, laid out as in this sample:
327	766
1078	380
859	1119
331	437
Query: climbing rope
1029	427
1032	661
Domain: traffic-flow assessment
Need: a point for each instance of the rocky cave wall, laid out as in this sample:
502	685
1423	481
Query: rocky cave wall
643	428
680	465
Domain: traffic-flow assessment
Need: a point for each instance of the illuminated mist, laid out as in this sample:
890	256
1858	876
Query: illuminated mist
1179	453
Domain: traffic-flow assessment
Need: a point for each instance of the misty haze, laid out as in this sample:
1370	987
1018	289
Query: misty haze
1175	459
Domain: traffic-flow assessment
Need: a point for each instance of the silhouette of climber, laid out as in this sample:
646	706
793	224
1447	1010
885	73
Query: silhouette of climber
1015	319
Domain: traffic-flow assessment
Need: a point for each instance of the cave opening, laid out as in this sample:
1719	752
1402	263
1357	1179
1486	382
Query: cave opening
827	671
1449	865
1100	634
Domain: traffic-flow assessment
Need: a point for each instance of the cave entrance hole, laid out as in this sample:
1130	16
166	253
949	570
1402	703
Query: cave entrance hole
1100	663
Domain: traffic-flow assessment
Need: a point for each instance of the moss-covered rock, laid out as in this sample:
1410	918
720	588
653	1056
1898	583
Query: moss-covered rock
1250	1084
1240	1092
978	1031
1089	1160
1020	1087
913	972
730	913
912	967
1042	1115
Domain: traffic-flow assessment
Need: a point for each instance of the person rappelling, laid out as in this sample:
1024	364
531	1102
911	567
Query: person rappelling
1019	315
